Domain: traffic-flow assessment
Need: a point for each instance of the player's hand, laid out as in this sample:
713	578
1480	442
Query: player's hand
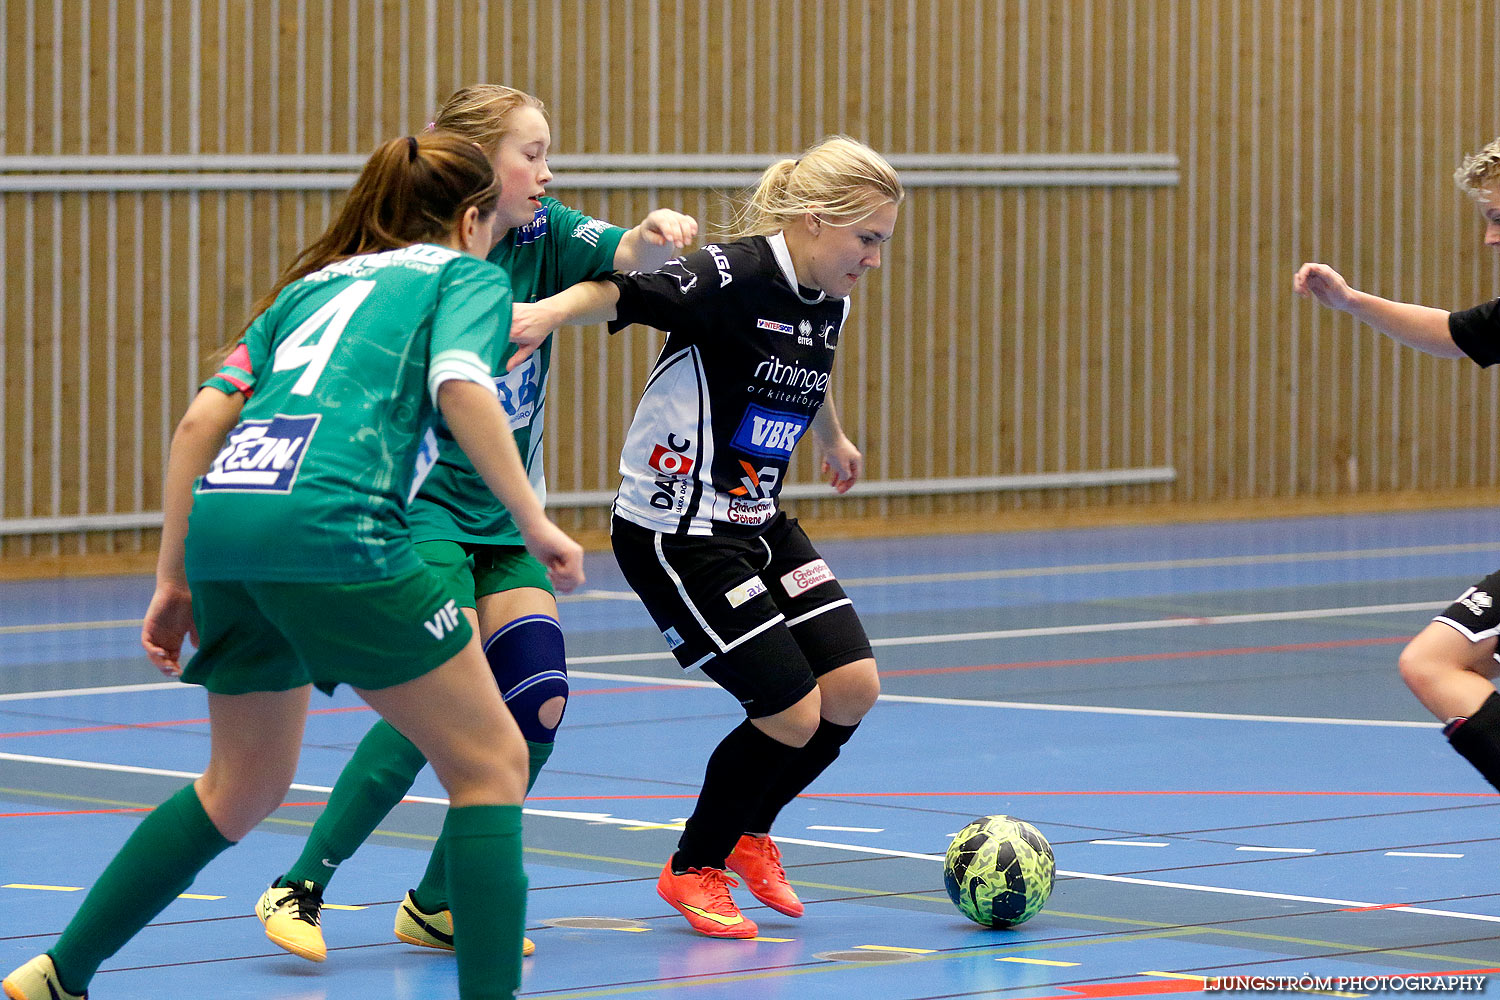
1323	283
664	226
842	464
531	323
168	618
554	549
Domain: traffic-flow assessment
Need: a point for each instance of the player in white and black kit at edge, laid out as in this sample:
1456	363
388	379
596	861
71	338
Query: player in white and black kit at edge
1451	664
733	584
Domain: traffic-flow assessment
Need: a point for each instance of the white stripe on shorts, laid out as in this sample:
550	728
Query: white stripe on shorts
1488	633
757	630
815	612
661	557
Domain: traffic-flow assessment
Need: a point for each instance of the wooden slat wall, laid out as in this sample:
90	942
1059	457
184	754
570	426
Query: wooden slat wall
1012	330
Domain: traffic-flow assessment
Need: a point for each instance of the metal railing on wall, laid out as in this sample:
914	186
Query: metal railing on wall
208	174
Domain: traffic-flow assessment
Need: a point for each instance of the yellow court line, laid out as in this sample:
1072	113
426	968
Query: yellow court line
1175	975
44	888
757	938
1038	961
194	895
903	951
342	906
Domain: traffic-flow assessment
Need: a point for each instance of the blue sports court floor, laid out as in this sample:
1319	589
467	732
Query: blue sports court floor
1205	720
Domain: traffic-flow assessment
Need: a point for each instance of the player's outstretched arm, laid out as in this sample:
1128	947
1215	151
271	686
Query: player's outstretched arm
480	427
1422	327
655	241
198	438
581	305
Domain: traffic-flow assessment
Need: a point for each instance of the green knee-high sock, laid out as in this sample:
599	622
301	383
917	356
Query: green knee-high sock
431	894
489	899
159	860
372	783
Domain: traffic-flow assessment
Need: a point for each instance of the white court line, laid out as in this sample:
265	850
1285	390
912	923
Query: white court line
1134	567
849	829
605	818
113	689
1419	854
1280	850
1176	622
1131	843
1018	573
911	699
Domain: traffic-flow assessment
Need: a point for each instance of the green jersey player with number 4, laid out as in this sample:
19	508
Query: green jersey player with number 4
469	539
301	563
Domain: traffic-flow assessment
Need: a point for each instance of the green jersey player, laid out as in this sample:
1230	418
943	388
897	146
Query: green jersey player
468	538
301	565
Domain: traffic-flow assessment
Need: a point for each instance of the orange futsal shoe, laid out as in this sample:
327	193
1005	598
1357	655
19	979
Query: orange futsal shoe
702	895
758	861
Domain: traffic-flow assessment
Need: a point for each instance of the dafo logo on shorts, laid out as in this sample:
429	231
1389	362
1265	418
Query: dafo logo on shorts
261	456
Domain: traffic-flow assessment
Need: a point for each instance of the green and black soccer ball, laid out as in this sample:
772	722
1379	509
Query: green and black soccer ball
999	871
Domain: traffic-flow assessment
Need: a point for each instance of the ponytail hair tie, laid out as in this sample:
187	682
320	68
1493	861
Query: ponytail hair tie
411	149
430	127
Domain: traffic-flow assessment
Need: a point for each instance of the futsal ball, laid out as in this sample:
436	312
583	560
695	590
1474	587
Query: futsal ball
999	871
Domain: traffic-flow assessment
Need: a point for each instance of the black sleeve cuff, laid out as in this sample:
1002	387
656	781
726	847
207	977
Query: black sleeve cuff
1476	331
623	310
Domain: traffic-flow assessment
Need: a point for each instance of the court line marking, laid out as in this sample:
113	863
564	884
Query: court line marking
1301	614
605	819
1419	854
1024	572
1125	843
1280	850
896	698
1272	559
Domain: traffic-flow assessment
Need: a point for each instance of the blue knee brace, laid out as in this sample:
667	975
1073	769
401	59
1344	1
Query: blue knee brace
530	665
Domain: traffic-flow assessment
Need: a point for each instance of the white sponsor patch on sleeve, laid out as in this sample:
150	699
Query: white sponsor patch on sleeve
751	588
806	577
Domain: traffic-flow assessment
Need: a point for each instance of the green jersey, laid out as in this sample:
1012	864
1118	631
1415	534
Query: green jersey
341	376
557	249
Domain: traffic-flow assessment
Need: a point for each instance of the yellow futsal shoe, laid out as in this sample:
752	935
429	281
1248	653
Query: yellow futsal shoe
415	925
37	980
293	916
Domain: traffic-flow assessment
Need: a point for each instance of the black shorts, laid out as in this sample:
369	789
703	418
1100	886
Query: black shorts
1475	613
761	614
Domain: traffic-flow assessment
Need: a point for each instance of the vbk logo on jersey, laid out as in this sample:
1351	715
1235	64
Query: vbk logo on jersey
519	391
769	433
262	456
671	459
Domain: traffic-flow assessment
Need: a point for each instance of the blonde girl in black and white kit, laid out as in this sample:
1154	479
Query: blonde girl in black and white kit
733	584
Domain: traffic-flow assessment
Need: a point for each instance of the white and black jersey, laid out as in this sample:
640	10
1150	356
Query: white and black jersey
744	371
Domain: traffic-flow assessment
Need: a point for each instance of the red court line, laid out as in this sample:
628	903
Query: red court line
1135	989
1295	647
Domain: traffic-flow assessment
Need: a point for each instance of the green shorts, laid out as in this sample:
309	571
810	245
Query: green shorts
263	635
469	572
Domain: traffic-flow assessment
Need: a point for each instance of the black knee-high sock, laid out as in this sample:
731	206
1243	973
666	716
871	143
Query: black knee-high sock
811	761
1477	739
741	769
